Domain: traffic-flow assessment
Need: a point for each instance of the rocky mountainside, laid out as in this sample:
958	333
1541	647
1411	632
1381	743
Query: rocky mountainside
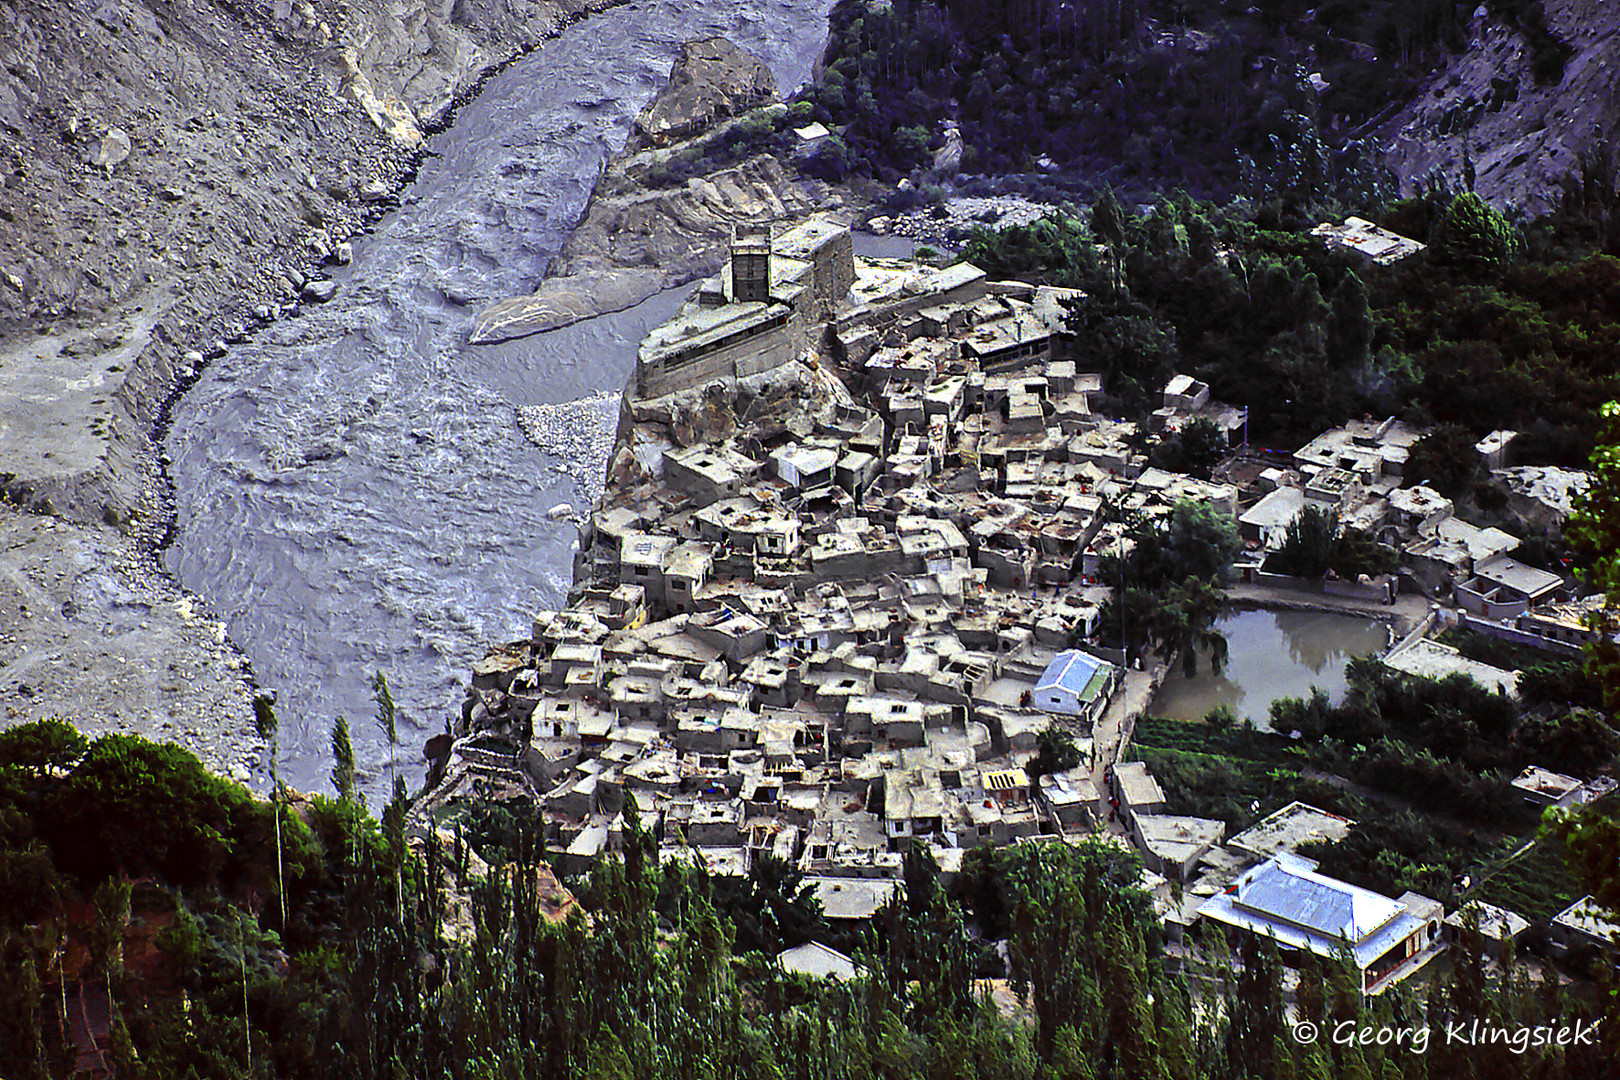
1523	136
173	172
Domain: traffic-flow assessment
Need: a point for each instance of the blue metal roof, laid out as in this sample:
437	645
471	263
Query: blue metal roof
1071	670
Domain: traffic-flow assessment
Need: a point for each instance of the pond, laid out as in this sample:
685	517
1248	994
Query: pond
1274	654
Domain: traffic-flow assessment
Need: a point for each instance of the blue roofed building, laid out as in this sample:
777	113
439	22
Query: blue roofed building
1076	683
1286	899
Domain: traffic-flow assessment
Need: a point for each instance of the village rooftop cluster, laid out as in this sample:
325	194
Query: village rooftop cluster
847	571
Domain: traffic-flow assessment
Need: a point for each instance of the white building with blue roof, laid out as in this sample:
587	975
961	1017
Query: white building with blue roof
1287	899
1076	683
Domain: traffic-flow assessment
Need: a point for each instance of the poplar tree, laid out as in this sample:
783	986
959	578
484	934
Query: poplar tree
342	760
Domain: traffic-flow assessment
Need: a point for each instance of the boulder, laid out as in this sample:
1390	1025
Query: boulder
320	290
113	149
711	80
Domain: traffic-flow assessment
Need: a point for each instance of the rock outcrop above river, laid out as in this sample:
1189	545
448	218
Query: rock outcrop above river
712	79
633	243
564	300
1524	136
637	239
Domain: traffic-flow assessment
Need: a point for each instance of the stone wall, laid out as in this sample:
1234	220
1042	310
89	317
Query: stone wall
756	355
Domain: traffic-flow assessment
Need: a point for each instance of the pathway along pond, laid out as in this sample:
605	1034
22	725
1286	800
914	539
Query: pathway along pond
1274	654
353	491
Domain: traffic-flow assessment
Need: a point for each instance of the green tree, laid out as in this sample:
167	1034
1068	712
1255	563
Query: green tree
135	806
1108	225
1055	752
1357	552
1308	546
269	728
1203	445
1474	237
1445	459
42	746
342	760
1349	324
1186	625
1593	530
387	718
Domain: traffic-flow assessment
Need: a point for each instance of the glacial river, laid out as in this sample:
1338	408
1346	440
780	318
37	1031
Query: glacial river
353	491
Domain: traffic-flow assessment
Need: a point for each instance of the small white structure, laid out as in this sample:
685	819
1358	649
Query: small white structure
1370	241
817	961
812	135
806	468
1583	923
1493	923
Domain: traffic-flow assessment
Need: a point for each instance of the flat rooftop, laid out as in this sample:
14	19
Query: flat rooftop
1435	660
1288	829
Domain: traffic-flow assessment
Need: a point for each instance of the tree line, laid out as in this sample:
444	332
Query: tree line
419	960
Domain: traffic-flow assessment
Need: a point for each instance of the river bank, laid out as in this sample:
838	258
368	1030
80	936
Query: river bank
200	180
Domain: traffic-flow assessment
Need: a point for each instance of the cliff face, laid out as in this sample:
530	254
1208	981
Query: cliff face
1524	137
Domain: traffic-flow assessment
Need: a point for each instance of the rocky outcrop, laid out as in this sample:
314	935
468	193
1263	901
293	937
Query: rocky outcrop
636	240
1524	138
712	79
564	300
637	243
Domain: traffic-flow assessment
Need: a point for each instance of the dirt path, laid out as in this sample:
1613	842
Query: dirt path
1405	613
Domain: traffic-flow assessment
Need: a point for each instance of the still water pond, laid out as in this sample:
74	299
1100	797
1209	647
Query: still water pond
1274	654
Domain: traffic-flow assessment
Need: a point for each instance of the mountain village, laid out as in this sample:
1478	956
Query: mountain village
848	569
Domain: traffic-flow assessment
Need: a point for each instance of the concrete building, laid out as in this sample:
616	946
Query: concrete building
1284	831
1136	791
707	473
1266	522
816	960
1584	925
1070	797
1497	925
751	264
807	468
1372	242
642	558
1172	845
1435	660
1543	787
1504	588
